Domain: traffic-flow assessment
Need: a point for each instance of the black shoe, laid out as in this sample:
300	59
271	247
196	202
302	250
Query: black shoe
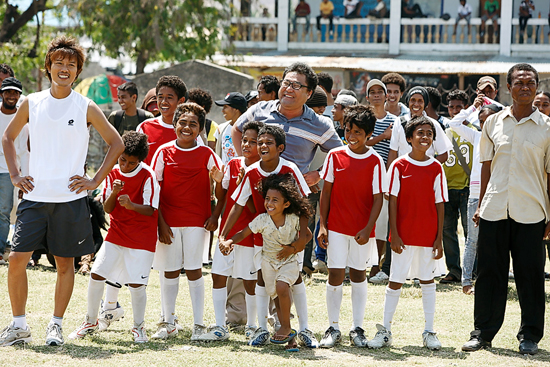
527	346
475	343
449	279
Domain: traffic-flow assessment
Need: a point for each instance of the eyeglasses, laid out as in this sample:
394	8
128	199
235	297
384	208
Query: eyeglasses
294	85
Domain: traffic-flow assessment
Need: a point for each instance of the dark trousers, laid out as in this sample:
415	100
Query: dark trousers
496	241
330	17
455	207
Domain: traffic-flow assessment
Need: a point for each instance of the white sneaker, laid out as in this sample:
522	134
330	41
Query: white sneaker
176	322
107	317
139	333
12	335
54	335
307	339
165	331
84	329
260	337
198	330
357	337
331	338
382	338
430	340
379	278
320	266
249	331
216	333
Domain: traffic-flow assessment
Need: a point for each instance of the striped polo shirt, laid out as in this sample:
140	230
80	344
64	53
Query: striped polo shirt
383	147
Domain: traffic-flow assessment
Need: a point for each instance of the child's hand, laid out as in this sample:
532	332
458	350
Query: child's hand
397	244
438	249
124	200
117	186
322	237
165	233
362	237
286	252
241	175
211	224
226	246
216	174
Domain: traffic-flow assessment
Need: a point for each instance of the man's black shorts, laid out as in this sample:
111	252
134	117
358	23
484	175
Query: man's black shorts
63	229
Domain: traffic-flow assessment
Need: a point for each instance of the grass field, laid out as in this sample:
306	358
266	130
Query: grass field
115	347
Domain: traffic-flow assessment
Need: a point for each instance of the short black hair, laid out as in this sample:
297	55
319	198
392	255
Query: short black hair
6	69
190	107
457	94
435	97
415	122
135	144
287	186
174	82
524	67
253	125
276	132
395	78
129	87
361	116
270	83
307	71
325	81
547	94
201	97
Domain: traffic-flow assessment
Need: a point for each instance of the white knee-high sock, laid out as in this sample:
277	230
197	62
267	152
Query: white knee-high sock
219	298
111	298
95	293
169	296
196	291
300	302
251	311
262	304
428	301
358	302
334	302
139	301
390	304
161	285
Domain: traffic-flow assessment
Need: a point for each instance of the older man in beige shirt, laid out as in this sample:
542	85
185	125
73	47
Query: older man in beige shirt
512	217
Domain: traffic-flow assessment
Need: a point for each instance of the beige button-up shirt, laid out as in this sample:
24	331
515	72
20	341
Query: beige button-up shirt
520	155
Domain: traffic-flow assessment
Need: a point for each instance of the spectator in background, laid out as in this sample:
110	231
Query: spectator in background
6	71
251	98
204	99
542	102
326	82
432	109
411	10
342	101
487	86
233	106
326	8
302	11
129	117
490	11
353	7
380	10
464	12
318	101
268	87
395	85
526	8
150	102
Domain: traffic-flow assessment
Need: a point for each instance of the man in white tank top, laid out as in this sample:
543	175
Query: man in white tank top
54	212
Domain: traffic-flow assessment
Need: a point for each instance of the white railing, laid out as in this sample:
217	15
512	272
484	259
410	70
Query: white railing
254	32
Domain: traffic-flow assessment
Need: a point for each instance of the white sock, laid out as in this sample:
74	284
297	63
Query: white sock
262	305
95	293
161	285
111	298
196	291
169	297
358	302
139	301
390	304
300	303
251	311
428	301
57	320
219	298
334	301
20	322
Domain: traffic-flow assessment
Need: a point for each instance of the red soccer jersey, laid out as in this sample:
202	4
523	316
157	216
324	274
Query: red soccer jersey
355	179
229	183
185	181
129	228
158	133
418	186
254	175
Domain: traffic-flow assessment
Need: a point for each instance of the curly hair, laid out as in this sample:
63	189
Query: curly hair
416	122
271	84
458	95
361	116
201	97
174	82
394	78
287	186
305	70
253	125
276	132
61	47
6	69
135	144
190	107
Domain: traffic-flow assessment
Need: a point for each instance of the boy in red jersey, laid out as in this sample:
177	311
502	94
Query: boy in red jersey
418	190
240	262
171	91
131	197
271	143
350	204
182	169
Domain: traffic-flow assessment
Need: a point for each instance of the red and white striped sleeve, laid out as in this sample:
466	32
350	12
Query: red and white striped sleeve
440	187
379	179
157	164
327	173
395	180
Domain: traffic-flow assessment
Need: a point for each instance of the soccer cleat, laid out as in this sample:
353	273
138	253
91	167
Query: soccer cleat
308	339
84	329
165	331
107	317
260	337
430	340
12	335
139	333
331	338
176	322
379	278
382	338
357	337
198	330
54	335
249	331
216	333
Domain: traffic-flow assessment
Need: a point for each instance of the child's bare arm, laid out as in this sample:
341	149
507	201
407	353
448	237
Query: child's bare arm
304	235
396	242
324	207
289	250
234	214
110	203
220	193
362	237
165	232
438	245
241	235
211	223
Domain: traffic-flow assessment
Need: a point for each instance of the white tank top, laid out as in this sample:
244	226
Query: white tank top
59	138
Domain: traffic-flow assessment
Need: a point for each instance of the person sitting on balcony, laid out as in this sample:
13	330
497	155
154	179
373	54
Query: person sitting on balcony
353	9
302	11
526	8
464	12
411	10
490	11
380	10
326	8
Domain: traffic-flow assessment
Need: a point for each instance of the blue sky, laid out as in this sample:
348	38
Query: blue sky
50	17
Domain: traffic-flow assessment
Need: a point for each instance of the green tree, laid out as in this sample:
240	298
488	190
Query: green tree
152	30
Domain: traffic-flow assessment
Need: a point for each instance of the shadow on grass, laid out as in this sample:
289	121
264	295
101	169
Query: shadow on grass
542	355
